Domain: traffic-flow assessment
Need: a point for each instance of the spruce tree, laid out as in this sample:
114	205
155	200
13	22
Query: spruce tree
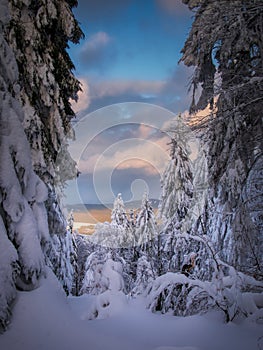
118	214
226	42
39	34
37	82
146	228
177	198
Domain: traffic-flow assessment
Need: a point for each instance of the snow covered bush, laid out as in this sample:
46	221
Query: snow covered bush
182	296
145	274
104	280
228	290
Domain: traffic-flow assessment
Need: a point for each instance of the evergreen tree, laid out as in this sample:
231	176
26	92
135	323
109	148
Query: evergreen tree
71	222
119	233
118	214
177	184
94	281
226	41
146	226
145	274
176	199
36	83
39	34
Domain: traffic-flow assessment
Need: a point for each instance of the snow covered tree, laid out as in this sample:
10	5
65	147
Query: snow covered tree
176	199
145	274
118	214
94	282
109	235
119	233
36	83
226	39
70	221
104	280
177	179
226	289
226	42
146	227
22	193
38	34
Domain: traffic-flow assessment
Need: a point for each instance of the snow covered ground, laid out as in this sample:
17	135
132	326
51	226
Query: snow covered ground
46	319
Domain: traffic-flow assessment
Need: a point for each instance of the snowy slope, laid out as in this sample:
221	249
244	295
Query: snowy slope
46	319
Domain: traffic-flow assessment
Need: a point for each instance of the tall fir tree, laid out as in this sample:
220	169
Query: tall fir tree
37	83
118	214
146	227
176	199
226	42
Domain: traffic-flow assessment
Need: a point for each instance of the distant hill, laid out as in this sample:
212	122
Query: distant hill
128	205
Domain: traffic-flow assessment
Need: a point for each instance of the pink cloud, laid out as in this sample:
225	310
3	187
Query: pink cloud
111	88
83	97
144	131
148	168
118	87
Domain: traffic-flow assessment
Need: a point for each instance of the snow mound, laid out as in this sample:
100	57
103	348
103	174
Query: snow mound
105	305
176	348
46	319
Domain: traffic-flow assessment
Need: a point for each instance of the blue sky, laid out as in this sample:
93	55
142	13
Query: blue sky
143	39
129	55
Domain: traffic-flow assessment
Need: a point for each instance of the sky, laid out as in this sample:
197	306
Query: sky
132	87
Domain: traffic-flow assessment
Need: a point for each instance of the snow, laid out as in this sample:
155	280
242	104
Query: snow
46	319
8	258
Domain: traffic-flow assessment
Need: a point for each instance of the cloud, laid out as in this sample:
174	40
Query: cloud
144	131
130	182
110	88
98	52
175	95
119	140
107	92
136	163
97	40
133	182
173	7
171	94
133	153
129	144
83	97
